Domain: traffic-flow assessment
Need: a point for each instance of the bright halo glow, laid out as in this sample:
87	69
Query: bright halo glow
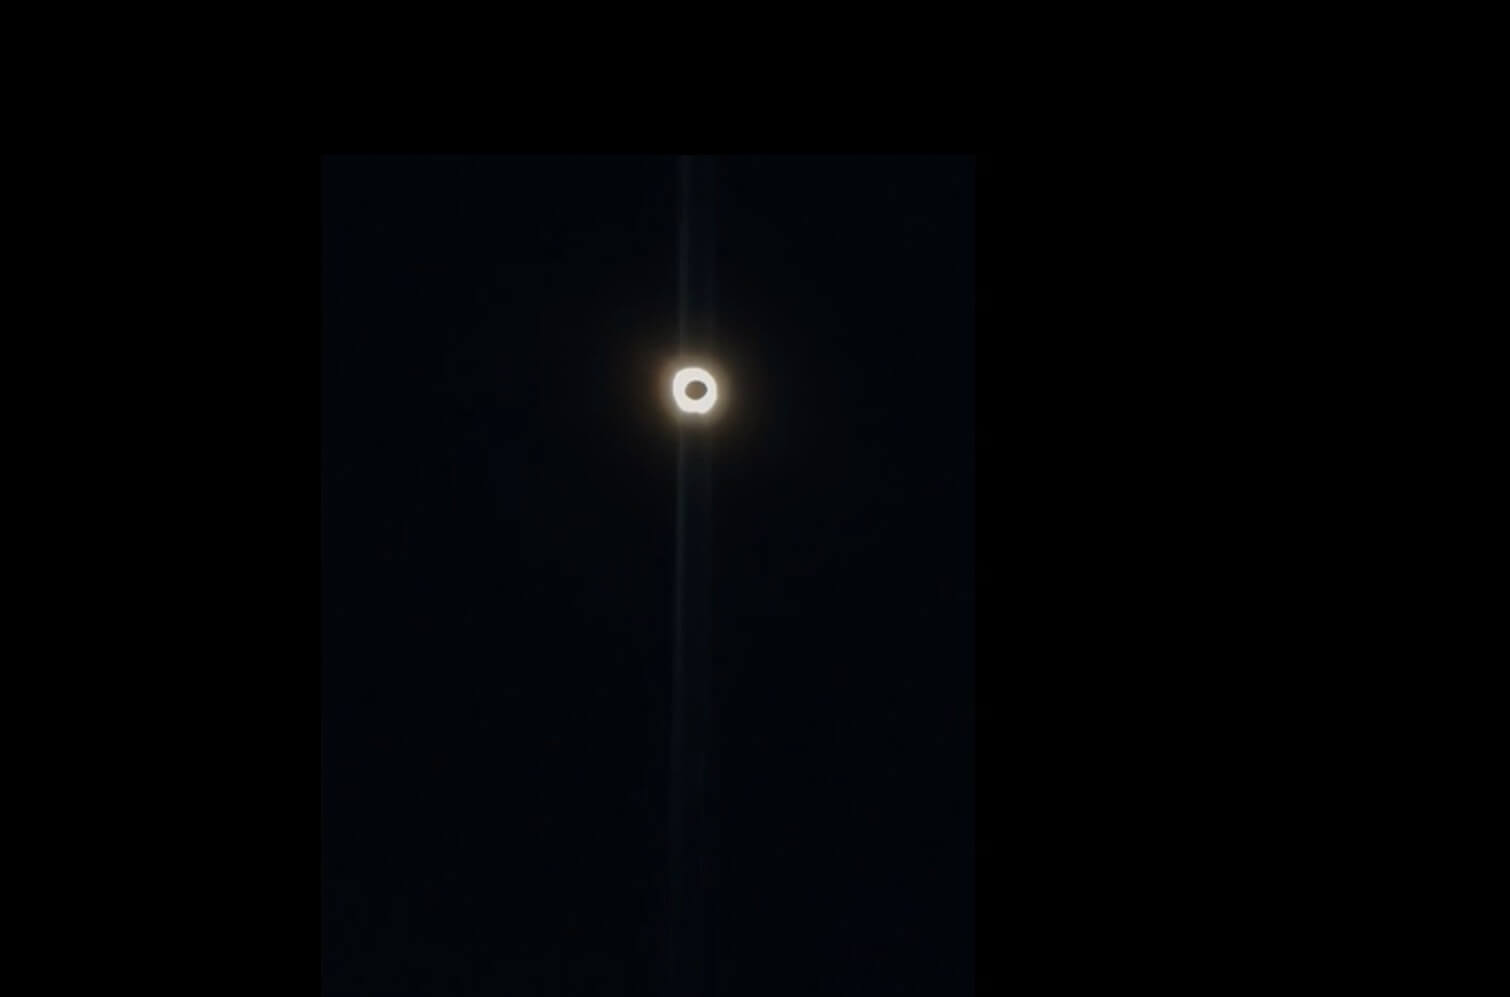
685	378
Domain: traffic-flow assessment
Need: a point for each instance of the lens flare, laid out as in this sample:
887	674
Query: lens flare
684	379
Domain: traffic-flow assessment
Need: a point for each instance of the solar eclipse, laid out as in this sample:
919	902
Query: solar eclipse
694	390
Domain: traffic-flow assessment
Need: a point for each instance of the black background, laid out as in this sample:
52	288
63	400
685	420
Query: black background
497	540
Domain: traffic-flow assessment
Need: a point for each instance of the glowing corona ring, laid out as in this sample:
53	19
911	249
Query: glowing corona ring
686	377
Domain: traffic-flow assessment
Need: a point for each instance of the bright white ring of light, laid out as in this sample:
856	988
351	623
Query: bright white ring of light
685	377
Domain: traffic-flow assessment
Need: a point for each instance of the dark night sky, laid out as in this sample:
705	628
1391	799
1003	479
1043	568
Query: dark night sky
498	534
